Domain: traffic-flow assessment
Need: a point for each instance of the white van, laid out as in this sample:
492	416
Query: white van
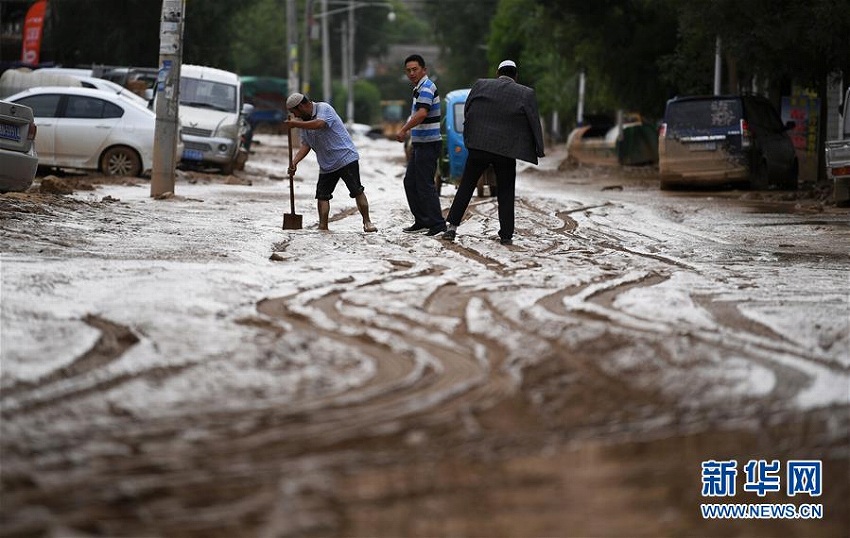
212	116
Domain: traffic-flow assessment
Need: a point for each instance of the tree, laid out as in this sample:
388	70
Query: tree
259	40
462	30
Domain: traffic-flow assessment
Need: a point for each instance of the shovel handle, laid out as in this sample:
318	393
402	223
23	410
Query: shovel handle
291	186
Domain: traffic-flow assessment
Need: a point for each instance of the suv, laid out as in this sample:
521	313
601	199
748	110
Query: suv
714	140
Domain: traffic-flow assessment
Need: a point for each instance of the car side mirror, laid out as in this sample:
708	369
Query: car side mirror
790	125
247	109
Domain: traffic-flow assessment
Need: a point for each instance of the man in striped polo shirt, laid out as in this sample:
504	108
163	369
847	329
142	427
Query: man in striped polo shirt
426	142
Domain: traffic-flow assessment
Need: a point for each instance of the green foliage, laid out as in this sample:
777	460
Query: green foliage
208	34
94	32
260	47
462	29
367	101
768	39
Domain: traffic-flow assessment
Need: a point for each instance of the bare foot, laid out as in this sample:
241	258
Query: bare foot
369	227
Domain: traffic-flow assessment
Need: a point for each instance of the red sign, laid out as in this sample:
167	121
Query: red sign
33	29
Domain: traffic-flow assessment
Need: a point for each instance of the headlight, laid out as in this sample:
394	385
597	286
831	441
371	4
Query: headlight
229	131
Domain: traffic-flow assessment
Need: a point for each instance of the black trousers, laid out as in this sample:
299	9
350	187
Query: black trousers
505	169
422	196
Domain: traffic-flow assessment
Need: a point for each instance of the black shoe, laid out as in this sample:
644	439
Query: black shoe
449	235
434	230
506	241
415	228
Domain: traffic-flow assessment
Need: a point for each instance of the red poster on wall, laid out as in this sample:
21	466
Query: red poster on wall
33	29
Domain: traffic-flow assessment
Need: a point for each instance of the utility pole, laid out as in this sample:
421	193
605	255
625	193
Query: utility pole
580	106
349	103
718	65
327	92
308	38
292	45
167	97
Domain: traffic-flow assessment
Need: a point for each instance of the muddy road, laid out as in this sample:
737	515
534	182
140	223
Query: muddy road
186	368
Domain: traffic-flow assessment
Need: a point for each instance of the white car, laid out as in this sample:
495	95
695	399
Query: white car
18	160
92	129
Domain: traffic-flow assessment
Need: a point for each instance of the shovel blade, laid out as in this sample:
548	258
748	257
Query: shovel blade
291	221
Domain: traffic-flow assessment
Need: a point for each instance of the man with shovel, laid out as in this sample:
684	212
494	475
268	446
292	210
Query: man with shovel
322	130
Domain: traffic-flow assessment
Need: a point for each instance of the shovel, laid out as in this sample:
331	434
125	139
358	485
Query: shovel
291	221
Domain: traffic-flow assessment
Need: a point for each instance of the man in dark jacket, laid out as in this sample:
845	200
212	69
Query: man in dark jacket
501	125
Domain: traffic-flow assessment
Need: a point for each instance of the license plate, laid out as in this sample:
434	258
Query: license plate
193	155
703	146
10	132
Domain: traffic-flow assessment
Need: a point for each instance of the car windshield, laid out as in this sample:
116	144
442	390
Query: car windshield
207	94
703	114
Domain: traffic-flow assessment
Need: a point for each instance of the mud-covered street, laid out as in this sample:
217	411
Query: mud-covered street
185	367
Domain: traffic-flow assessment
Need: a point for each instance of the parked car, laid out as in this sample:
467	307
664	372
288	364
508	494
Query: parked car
454	152
838	157
18	159
213	117
22	79
139	80
91	129
716	140
602	141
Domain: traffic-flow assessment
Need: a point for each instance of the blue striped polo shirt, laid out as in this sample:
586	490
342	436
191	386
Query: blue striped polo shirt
332	144
425	95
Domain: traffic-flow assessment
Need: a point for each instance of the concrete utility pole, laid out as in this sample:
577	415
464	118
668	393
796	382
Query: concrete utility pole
308	38
292	45
327	92
718	65
168	97
349	82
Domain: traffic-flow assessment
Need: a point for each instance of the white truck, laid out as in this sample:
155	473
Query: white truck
213	116
838	157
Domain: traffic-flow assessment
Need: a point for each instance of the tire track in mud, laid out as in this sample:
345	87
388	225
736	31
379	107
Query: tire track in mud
450	376
83	375
596	302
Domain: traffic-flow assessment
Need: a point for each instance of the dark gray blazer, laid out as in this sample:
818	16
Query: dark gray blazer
500	116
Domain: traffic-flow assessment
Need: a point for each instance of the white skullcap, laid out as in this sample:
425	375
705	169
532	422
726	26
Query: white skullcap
294	100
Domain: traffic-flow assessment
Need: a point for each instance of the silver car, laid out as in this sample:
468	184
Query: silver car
18	158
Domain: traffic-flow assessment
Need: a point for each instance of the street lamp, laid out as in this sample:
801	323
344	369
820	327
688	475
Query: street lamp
348	48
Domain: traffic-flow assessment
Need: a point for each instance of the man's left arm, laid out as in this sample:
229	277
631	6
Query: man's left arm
533	116
312	124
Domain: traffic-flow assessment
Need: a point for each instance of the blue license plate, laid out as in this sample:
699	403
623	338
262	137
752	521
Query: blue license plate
193	155
10	132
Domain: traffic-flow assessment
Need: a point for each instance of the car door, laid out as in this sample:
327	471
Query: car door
83	131
45	110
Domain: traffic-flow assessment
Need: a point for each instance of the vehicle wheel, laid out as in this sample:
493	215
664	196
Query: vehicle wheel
120	161
759	176
227	169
